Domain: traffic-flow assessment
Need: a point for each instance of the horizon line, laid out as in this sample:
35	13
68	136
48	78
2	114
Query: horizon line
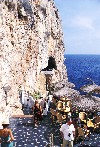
80	54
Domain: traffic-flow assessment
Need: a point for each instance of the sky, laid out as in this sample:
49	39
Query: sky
81	25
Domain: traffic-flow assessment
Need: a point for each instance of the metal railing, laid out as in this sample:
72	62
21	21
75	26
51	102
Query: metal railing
51	141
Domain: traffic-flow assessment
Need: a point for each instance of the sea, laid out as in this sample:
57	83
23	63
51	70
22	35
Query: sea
83	69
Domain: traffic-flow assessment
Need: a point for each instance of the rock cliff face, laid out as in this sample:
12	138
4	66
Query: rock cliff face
30	37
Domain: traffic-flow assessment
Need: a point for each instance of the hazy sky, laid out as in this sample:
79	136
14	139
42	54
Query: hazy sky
81	25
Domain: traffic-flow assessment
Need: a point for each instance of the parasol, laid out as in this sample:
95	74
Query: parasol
66	91
90	89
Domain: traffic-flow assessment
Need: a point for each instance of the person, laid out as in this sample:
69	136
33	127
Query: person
53	104
42	102
31	104
68	132
6	136
37	113
45	109
48	103
53	110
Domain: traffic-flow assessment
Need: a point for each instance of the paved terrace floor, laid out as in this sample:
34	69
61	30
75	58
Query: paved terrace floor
27	135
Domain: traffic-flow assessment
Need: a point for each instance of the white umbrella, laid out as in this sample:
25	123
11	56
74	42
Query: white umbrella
66	92
87	103
91	89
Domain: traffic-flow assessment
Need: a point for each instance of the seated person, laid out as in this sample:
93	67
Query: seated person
52	106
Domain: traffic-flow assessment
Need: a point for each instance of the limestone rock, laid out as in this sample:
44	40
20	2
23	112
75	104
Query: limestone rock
30	33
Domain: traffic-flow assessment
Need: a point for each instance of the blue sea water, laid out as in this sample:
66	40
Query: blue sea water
81	67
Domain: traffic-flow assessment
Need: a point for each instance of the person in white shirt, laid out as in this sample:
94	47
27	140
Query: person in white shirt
31	102
42	102
68	132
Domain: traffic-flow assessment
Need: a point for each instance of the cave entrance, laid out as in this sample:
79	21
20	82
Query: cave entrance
48	73
51	64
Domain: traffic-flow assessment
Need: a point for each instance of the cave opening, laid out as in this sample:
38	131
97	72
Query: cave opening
51	64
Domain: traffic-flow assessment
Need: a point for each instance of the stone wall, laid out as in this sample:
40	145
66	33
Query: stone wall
30	32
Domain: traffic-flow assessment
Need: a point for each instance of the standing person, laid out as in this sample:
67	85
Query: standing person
37	113
45	109
48	101
31	104
6	136
68	132
42	102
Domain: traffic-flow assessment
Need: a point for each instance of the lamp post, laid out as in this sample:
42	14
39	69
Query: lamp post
51	142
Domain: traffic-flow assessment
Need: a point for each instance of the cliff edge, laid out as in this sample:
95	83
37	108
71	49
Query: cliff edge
31	39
